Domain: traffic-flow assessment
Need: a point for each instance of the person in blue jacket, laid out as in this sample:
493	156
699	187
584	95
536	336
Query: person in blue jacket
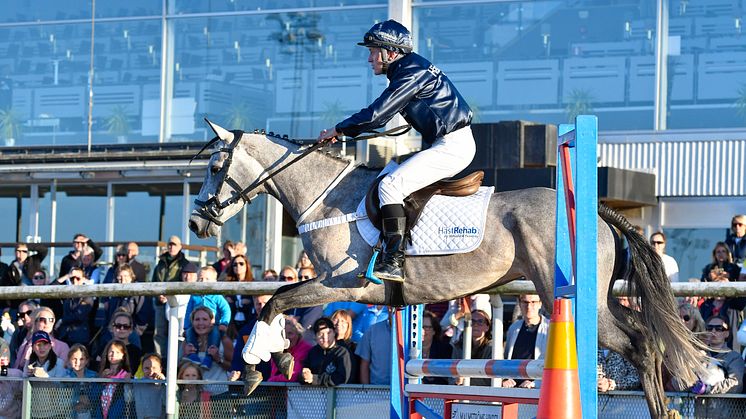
430	103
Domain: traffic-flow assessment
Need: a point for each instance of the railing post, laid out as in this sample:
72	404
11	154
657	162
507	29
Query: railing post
26	399
172	358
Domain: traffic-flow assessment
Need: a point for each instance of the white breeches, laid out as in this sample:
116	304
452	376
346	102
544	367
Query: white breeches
448	156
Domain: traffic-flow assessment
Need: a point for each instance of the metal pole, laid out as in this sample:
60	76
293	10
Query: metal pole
466	339
172	358
53	225
661	65
110	218
497	333
34	214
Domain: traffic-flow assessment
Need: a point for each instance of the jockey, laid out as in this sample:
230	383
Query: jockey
430	103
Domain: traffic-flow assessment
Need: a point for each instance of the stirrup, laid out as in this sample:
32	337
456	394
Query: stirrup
369	272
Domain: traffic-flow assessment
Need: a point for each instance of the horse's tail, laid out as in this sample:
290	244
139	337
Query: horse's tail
683	354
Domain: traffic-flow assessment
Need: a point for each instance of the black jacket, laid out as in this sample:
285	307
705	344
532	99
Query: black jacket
737	250
422	94
330	367
68	262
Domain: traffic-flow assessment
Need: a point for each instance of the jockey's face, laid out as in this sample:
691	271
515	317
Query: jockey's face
374	59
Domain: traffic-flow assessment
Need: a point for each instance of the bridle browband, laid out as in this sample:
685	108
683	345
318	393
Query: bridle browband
211	209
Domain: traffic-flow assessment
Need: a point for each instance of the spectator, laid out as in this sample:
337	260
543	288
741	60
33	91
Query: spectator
270	275
43	362
25	322
433	346
363	316
288	274
194	401
374	351
11	392
138	306
8	278
307	316
692	318
735	241
215	302
327	364
481	348
74	258
28	261
74	326
228	254
306	273
120	259
726	370
120	329
722	268
140	271
453	320
527	337
7	329
239	248
239	270
298	348
168	269
77	362
116	365
658	241
303	261
44	320
77	367
721	307
150	398
92	271
188	274
238	364
613	372
39	278
212	349
343	328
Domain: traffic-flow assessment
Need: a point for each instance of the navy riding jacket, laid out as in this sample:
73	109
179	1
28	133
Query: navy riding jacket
422	94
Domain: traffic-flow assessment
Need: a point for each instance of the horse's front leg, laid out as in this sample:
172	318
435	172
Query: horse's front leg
268	337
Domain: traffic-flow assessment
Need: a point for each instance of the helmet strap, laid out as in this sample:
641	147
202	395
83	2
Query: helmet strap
384	59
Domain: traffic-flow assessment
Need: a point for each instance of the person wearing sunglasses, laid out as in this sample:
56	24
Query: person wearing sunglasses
75	256
28	259
691	317
74	325
120	328
24	323
735	240
725	372
43	319
239	270
658	241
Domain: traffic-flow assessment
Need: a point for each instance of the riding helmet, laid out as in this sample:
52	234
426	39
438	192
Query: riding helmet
390	35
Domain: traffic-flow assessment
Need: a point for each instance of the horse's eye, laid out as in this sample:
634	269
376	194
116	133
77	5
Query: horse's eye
214	169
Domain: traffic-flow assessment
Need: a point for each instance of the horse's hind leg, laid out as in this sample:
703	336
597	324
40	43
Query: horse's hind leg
650	368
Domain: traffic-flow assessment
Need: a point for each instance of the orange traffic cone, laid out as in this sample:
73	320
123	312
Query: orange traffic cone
560	386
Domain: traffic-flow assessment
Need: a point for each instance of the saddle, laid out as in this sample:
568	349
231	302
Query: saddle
415	203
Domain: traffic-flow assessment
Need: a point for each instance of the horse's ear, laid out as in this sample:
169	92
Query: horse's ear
221	132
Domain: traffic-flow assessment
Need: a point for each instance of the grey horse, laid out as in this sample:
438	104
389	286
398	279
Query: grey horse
517	243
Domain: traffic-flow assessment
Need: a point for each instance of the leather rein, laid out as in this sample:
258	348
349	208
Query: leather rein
211	209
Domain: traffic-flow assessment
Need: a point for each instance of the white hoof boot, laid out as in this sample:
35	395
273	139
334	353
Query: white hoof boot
264	340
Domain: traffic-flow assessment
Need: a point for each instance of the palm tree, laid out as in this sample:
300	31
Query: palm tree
741	101
10	126
117	123
578	102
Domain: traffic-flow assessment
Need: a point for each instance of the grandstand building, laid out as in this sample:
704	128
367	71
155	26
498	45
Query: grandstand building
102	104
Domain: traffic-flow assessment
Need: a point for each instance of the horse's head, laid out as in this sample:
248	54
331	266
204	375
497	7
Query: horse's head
224	191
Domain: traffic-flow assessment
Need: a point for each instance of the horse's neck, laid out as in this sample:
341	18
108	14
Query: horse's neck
300	184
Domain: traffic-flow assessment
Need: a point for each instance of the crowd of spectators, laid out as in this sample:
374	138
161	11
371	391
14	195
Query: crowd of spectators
339	343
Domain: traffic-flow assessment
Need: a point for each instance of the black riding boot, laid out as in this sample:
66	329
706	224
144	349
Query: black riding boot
390	264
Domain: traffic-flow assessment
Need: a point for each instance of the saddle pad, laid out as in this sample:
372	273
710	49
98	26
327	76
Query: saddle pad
447	225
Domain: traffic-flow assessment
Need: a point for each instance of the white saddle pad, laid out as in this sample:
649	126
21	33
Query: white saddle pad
447	224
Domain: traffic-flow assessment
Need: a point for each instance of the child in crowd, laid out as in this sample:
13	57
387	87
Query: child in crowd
10	391
215	302
150	399
194	401
77	367
116	366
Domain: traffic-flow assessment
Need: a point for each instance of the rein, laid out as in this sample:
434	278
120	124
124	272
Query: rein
212	208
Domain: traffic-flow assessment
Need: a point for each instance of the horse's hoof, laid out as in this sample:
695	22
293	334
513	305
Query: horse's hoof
285	364
251	381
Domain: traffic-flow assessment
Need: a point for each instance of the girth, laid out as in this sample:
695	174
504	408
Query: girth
415	203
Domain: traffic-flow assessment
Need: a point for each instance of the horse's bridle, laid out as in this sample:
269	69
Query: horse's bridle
211	209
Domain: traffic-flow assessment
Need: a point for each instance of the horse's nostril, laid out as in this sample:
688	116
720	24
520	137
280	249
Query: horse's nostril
193	226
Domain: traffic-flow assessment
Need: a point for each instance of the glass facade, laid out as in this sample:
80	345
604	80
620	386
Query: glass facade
294	68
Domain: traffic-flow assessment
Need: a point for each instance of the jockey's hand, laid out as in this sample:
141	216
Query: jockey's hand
527	384
330	134
509	383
